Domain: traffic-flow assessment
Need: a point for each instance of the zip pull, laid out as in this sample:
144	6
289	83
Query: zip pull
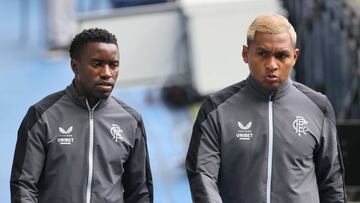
91	110
271	96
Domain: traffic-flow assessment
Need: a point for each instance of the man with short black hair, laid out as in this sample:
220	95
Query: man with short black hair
81	144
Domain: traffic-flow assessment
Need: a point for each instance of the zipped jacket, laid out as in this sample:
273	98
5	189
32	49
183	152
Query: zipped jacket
251	145
68	152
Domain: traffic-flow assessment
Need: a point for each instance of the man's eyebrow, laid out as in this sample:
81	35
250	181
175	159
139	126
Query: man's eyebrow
282	51
101	60
95	59
261	49
279	51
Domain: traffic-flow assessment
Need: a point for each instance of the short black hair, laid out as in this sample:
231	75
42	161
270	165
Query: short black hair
87	36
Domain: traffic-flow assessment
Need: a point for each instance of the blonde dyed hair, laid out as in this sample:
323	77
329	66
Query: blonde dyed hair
271	23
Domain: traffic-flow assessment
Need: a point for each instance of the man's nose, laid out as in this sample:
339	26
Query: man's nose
105	71
272	64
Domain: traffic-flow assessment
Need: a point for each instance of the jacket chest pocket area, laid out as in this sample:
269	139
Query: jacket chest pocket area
294	145
111	150
242	140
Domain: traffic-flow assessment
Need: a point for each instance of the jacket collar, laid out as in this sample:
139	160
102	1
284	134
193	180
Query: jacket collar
269	94
81	100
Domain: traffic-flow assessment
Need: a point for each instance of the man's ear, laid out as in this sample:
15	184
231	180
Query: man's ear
245	53
296	55
74	65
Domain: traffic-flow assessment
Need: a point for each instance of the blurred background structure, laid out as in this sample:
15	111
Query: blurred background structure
172	54
329	40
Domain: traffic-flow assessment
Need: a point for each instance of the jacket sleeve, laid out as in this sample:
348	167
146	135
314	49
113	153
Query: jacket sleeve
328	162
28	159
137	179
203	157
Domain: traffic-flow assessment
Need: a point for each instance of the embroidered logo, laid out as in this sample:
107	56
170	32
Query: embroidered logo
244	133
117	134
65	136
300	125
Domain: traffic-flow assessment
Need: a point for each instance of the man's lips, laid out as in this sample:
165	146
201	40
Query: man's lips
105	83
107	86
271	77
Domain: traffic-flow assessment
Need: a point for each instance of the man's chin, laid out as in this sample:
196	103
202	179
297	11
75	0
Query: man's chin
105	96
271	86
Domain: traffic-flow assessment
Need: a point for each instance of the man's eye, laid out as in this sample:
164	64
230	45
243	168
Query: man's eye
96	64
281	56
113	65
262	53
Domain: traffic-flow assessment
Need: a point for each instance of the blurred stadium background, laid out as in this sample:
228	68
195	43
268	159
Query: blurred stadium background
173	53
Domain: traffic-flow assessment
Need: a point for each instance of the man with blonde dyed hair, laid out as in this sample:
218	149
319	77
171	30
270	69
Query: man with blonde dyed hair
267	138
271	23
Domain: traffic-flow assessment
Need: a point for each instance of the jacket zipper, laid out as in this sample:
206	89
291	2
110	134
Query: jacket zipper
270	152
91	151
